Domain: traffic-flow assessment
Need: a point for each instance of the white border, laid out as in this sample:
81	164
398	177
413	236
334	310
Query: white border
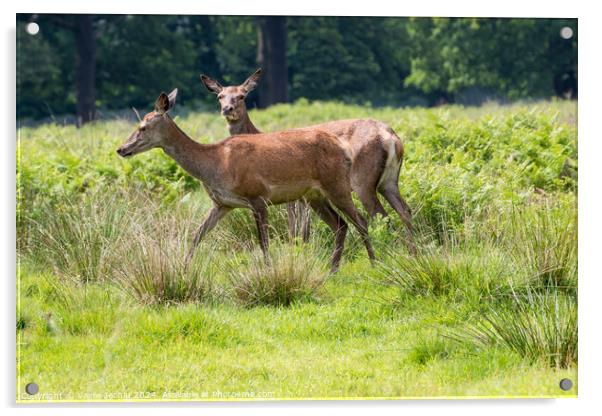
590	94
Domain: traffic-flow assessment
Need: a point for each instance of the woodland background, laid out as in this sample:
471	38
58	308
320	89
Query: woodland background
91	65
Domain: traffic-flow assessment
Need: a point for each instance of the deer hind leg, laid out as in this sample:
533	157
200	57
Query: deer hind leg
216	213
260	213
304	214
336	224
298	219
391	193
291	211
368	198
366	171
344	203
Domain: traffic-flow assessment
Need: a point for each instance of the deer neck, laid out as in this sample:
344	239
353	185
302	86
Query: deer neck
195	158
242	126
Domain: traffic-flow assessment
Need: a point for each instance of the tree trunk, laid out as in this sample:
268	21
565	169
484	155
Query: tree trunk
85	69
271	56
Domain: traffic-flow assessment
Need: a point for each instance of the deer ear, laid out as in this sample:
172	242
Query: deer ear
172	98
162	104
251	83
211	84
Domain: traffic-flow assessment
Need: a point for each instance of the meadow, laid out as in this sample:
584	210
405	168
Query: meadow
106	309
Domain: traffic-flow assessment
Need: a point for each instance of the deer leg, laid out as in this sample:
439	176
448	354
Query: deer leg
260	213
368	198
345	204
391	194
366	171
292	220
216	213
305	216
336	224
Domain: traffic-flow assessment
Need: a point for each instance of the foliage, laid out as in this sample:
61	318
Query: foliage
397	61
500	57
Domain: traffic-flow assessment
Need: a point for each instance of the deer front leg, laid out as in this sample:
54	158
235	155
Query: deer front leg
260	213
216	213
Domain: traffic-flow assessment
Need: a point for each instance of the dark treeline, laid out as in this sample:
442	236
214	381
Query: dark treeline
78	64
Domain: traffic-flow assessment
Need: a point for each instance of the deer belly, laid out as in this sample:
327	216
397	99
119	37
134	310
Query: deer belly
279	194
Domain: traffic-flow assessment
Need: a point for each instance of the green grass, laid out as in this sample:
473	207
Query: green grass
107	309
538	326
292	275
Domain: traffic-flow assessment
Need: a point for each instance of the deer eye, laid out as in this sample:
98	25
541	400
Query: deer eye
241	97
219	97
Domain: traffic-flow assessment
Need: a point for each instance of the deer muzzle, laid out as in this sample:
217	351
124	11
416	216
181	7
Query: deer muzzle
124	152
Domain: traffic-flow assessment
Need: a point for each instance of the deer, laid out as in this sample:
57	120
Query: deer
258	170
376	155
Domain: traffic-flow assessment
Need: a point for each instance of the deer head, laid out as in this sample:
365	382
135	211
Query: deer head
153	128
232	98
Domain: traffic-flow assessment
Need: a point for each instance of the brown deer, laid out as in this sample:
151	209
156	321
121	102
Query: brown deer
253	171
376	154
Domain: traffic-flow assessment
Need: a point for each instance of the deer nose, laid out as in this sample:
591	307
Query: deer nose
123	152
228	109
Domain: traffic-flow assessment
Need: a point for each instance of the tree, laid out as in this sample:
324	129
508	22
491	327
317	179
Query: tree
40	91
81	28
140	56
77	63
85	68
271	56
513	58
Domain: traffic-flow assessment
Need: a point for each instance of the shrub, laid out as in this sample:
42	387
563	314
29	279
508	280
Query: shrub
293	275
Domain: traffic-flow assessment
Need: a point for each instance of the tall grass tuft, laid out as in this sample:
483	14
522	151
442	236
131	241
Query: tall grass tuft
293	275
78	236
538	326
444	271
542	238
153	268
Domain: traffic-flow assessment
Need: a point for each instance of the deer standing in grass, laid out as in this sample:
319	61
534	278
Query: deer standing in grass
253	171
376	156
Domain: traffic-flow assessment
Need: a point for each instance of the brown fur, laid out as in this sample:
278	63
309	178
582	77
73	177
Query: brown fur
252	171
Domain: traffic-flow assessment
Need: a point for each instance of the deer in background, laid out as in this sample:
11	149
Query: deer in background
253	171
234	109
376	155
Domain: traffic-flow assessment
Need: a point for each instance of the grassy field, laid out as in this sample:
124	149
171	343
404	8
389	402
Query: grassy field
107	311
